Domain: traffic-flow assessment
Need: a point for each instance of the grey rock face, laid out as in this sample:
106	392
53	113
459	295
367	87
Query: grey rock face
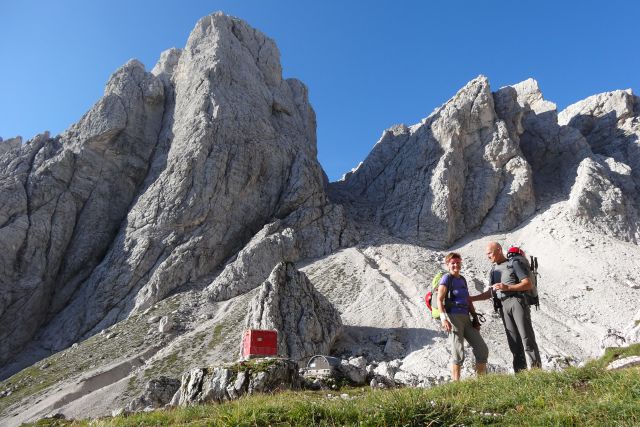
553	151
457	171
235	149
63	200
306	233
610	122
222	383
306	322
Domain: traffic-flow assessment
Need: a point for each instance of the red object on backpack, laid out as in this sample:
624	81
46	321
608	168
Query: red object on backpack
514	250
427	299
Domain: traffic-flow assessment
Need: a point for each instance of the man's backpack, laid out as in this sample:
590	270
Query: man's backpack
516	254
431	299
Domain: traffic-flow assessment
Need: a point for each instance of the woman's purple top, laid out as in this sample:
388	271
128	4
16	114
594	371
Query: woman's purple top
459	294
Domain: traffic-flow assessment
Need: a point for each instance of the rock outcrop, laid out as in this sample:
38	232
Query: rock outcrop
229	382
10	144
624	363
607	190
306	322
157	393
598	198
457	171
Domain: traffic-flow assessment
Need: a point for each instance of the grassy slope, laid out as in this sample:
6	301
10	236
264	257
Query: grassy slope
576	396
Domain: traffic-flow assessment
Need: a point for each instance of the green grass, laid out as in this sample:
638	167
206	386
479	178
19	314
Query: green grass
588	396
612	354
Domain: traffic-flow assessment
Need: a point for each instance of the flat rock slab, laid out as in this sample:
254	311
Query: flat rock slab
627	362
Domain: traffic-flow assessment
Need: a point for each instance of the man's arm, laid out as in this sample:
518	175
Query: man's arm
523	285
521	273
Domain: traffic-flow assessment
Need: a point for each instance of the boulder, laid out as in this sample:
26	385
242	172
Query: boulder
306	322
165	325
624	363
157	393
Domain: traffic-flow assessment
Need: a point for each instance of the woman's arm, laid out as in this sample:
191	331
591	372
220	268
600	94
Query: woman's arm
485	295
472	309
444	318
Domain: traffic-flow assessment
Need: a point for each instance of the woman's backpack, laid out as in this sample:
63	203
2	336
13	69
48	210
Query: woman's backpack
431	298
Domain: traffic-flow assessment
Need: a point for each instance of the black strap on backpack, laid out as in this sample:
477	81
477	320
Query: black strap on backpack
497	304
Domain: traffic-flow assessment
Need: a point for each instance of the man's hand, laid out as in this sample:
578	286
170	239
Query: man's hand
500	287
446	325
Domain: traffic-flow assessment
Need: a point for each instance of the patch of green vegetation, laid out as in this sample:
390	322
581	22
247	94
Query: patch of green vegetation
132	385
588	396
257	365
168	366
216	336
34	379
612	354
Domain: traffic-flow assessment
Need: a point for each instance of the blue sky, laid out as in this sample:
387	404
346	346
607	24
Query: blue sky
368	65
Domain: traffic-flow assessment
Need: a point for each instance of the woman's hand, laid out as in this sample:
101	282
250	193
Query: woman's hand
446	325
475	322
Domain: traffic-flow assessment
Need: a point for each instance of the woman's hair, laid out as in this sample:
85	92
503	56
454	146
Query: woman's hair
450	256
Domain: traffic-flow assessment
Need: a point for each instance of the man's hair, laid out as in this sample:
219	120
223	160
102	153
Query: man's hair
450	256
495	246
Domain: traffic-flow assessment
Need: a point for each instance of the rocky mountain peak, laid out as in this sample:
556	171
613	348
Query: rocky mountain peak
155	187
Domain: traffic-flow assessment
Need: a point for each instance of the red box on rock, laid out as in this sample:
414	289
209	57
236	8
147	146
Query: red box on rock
259	342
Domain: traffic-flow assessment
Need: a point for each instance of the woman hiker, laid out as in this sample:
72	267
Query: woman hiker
455	307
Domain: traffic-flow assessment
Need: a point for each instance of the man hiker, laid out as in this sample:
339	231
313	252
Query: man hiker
509	281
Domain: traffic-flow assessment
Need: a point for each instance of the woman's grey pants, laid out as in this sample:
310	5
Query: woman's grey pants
463	330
